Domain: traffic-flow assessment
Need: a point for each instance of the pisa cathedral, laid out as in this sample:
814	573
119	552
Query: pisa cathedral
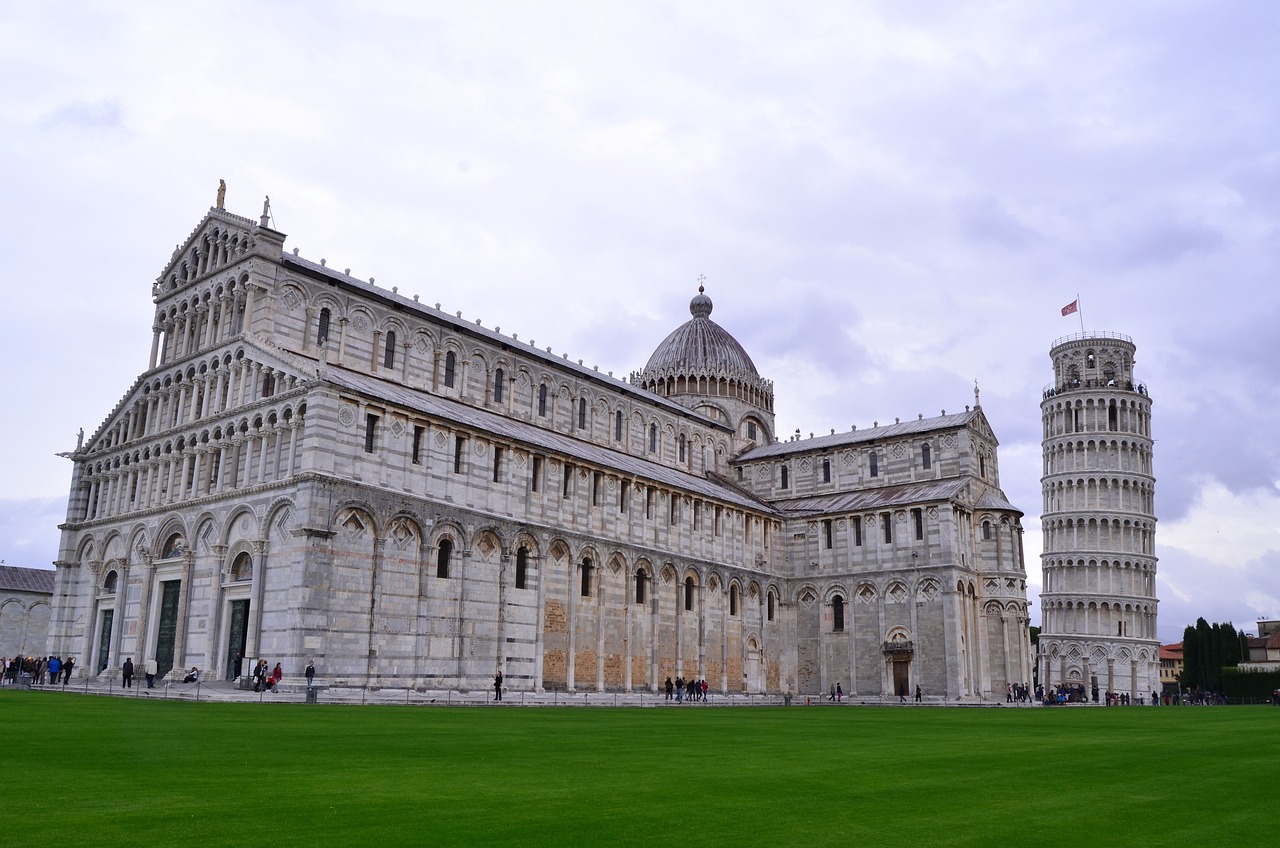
313	467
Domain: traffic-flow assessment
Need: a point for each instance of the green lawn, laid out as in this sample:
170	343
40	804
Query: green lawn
85	770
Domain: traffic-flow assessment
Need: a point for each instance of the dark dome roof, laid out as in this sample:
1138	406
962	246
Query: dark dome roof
699	344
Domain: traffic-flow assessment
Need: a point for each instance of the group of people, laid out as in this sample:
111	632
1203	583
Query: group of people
40	668
265	678
1017	693
694	690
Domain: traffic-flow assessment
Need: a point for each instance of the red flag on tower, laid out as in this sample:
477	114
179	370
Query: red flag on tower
1071	307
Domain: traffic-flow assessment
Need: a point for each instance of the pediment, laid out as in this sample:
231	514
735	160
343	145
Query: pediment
220	239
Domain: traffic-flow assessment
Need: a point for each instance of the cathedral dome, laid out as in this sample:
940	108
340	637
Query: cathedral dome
701	345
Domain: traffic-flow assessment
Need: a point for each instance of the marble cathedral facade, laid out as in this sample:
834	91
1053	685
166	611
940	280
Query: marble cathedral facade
313	467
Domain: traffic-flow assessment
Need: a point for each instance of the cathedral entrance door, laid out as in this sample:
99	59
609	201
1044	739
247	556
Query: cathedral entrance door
901	677
168	628
238	637
753	670
104	639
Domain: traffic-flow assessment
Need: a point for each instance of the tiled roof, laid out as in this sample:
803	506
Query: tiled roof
1171	652
537	438
16	579
854	437
869	499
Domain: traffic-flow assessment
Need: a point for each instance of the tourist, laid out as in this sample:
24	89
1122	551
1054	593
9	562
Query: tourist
126	672
310	673
277	674
679	689
919	693
497	686
192	676
66	670
839	694
670	688
150	670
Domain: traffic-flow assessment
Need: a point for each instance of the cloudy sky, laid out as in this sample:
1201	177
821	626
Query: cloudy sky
889	201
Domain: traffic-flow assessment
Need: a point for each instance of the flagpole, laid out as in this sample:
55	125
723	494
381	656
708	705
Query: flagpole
1080	312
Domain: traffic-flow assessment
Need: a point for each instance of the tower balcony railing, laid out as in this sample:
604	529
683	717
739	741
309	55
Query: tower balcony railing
1093	334
1080	384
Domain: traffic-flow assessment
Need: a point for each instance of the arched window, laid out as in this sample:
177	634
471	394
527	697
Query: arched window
733	600
586	577
542	400
688	593
770	605
450	366
617	426
875	464
109	584
522	568
242	567
499	385
389	352
443	554
653	438
982	467
826	471
986	531
680	447
582	413
926	457
837	614
322	332
268	385
641	579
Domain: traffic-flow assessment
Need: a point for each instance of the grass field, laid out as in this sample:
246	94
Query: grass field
85	770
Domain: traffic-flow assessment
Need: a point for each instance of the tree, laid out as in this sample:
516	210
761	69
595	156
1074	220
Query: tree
1206	650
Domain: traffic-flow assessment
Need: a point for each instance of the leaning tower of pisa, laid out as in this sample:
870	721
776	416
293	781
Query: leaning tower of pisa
1098	603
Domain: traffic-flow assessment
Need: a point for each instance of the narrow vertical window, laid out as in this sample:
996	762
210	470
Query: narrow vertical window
417	445
617	426
716	527
322	332
535	478
986	531
826	471
648	504
582	413
917	515
886	519
733	600
653	438
837	614
459	449
442	557
497	465
674	509
586	578
926	457
786	477
450	367
522	568
595	488
770	610
389	352
680	448
826	533
697	515
751	430
568	480
370	428
268	387
1113	422
857	530
640	581
499	385
875	464
624	489
542	400
688	593
982	467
